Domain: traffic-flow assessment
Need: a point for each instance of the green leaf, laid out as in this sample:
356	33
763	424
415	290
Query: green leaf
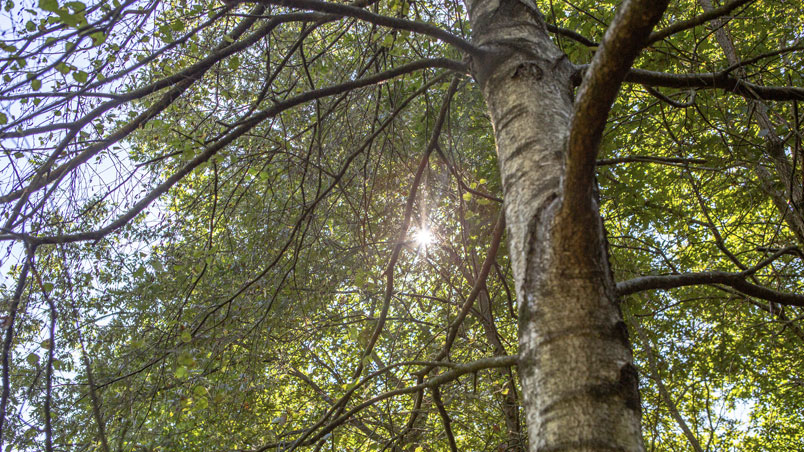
3	119
467	196
80	76
181	372
98	38
186	337
234	62
30	26
63	68
187	360
74	19
32	358
49	5
76	6
36	84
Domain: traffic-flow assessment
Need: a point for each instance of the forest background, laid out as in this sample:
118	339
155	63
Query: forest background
282	225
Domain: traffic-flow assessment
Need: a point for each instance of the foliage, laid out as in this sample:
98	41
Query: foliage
210	211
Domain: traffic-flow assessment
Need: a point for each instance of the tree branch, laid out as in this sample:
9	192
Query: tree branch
445	420
712	80
734	280
9	320
665	394
245	126
438	380
571	34
695	21
622	43
650	159
377	19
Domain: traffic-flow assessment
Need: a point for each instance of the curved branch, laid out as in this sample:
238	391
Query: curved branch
377	19
571	34
695	21
180	82
712	80
445	420
734	280
622	43
245	126
434	382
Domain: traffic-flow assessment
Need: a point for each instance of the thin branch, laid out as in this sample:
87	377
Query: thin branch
178	83
571	34
93	388
654	370
49	366
743	63
695	21
440	379
9	339
403	231
247	125
480	282
650	159
675	104
377	19
445	420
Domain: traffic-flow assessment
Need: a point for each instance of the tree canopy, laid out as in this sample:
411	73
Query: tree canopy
279	224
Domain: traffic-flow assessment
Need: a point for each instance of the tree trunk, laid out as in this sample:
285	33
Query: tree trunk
579	384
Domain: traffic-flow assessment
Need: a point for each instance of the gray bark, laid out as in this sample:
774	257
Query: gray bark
579	384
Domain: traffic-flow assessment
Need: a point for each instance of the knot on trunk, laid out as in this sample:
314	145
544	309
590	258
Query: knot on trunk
528	69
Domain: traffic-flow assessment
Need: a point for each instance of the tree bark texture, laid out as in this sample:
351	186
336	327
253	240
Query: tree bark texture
579	384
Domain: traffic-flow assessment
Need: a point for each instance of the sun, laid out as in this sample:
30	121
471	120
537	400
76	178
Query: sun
423	237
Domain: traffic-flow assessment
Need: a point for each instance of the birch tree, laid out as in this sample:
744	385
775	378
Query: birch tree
303	224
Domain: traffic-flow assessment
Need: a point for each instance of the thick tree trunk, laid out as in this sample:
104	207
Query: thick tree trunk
579	384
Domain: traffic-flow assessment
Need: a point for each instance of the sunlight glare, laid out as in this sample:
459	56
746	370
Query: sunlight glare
423	237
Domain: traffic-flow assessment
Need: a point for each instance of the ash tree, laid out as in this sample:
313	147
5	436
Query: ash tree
404	225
